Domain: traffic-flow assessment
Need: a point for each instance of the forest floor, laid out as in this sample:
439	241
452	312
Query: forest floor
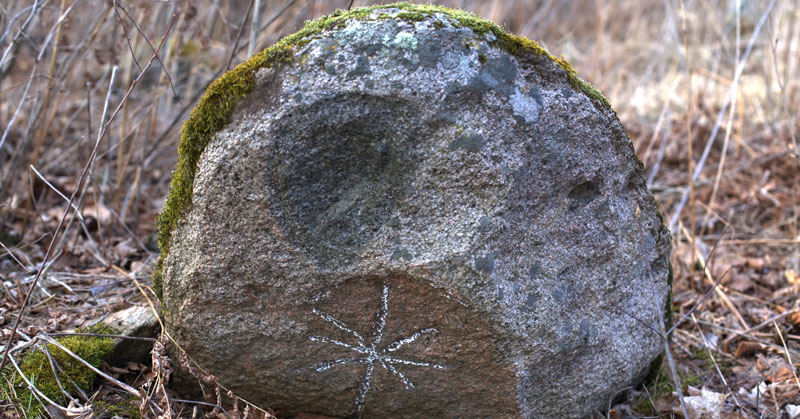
710	97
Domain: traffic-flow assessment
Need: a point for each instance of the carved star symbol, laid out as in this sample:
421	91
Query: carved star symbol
370	352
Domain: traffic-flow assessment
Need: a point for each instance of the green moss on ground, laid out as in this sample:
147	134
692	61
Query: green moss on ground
36	367
214	109
661	383
124	408
711	364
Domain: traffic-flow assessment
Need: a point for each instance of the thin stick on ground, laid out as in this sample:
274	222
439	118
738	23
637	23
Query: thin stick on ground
707	347
120	384
55	373
788	356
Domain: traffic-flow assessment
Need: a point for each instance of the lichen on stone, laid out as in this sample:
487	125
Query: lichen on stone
214	109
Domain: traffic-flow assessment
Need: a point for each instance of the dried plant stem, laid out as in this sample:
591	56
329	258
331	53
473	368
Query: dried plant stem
689	157
7	52
22	100
90	165
718	289
45	122
788	356
720	115
80	184
707	347
254	27
785	102
729	125
55	373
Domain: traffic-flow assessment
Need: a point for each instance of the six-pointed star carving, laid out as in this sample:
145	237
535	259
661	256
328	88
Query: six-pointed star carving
370	352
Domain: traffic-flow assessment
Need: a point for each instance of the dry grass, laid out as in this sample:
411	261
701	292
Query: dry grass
709	96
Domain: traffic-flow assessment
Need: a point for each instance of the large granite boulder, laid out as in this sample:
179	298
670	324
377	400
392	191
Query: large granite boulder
403	211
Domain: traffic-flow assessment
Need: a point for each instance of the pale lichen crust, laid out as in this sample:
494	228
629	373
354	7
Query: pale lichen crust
214	109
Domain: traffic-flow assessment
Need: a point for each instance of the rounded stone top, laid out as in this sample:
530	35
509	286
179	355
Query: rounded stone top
404	211
214	109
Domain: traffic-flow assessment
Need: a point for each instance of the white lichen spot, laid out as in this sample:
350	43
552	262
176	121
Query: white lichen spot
371	352
353	28
357	32
525	106
405	40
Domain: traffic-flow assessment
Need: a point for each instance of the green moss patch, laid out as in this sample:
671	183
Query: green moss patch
661	383
124	407
36	367
578	84
214	109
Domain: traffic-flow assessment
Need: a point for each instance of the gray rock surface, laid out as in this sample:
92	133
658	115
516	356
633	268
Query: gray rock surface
134	321
409	221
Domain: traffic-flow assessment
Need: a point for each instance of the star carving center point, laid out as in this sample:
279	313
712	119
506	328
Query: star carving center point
370	352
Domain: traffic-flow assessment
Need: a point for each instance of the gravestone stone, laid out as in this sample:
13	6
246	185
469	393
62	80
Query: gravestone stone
403	211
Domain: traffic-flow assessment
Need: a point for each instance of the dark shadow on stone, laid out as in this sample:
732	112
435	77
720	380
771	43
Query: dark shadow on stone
583	194
345	162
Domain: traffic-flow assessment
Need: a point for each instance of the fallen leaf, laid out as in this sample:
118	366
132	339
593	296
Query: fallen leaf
747	348
791	276
55	412
741	282
783	374
755	263
77	411
708	405
794	319
668	403
793	410
95	271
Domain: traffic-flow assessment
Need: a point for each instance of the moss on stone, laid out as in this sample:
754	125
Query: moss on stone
578	84
214	109
411	16
36	367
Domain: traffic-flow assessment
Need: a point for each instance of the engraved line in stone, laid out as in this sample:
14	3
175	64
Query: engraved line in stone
399	343
360	349
365	384
330	319
415	363
406	382
383	311
326	365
